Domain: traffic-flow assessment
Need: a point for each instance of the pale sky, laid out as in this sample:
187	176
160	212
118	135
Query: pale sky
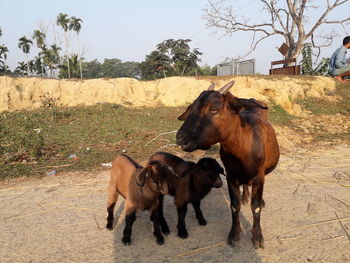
129	30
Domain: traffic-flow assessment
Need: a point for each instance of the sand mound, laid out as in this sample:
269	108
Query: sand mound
29	93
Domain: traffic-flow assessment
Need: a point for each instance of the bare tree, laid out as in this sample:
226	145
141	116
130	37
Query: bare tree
287	18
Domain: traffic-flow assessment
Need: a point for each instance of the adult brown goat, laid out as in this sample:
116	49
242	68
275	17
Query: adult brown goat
141	188
248	147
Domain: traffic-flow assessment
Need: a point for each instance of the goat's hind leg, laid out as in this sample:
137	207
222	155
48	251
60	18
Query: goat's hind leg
256	205
157	233
163	224
112	199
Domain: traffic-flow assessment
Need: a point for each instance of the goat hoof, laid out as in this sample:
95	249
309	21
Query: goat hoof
230	242
165	230
258	242
232	239
109	226
182	234
126	241
160	240
202	222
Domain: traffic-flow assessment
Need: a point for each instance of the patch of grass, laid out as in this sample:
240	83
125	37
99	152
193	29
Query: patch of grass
35	142
318	106
278	116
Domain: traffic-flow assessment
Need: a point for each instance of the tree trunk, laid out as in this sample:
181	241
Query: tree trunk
67	54
79	57
183	71
27	65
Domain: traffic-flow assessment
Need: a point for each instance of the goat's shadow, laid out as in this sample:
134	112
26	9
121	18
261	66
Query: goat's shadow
204	244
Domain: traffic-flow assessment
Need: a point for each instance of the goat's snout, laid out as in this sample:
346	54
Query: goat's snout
218	182
164	189
180	137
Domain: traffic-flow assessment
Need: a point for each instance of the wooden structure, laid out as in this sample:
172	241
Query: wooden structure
286	69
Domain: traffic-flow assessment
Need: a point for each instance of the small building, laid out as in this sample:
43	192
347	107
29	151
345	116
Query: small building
235	67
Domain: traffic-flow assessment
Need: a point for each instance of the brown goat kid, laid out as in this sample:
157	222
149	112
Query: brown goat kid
141	188
195	182
248	147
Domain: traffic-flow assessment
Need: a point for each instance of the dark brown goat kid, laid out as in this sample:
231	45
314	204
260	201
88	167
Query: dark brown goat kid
141	188
248	147
195	182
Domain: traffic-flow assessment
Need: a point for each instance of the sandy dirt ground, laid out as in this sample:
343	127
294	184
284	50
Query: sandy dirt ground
306	218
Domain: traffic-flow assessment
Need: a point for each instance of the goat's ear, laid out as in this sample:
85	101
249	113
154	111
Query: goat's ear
172	171
184	115
189	170
222	171
141	177
238	104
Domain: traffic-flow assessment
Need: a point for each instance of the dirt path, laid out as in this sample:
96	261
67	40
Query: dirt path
62	219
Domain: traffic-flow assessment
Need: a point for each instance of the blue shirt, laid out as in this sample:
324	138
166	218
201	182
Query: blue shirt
338	60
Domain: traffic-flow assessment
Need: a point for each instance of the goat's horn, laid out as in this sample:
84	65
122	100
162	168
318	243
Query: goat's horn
223	90
211	87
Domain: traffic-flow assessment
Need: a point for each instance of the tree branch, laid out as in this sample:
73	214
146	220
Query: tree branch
323	16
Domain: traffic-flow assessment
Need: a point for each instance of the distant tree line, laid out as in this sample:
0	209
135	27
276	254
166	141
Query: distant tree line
171	58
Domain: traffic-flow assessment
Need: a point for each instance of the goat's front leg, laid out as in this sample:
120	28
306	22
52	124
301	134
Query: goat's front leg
163	224
181	224
256	205
157	233
129	220
233	189
199	214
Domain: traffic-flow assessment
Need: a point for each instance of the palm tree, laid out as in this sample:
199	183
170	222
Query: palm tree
3	53
22	68
51	57
62	21
38	65
31	67
39	36
75	25
24	44
74	67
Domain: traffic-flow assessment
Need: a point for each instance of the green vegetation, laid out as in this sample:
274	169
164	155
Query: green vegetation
279	116
171	58
36	142
307	65
318	106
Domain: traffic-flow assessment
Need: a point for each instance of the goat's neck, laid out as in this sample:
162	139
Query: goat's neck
198	189
236	136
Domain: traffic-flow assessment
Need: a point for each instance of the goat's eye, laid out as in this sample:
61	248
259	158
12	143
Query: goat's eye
213	111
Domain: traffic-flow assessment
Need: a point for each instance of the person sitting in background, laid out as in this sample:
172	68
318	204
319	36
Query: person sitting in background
339	66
